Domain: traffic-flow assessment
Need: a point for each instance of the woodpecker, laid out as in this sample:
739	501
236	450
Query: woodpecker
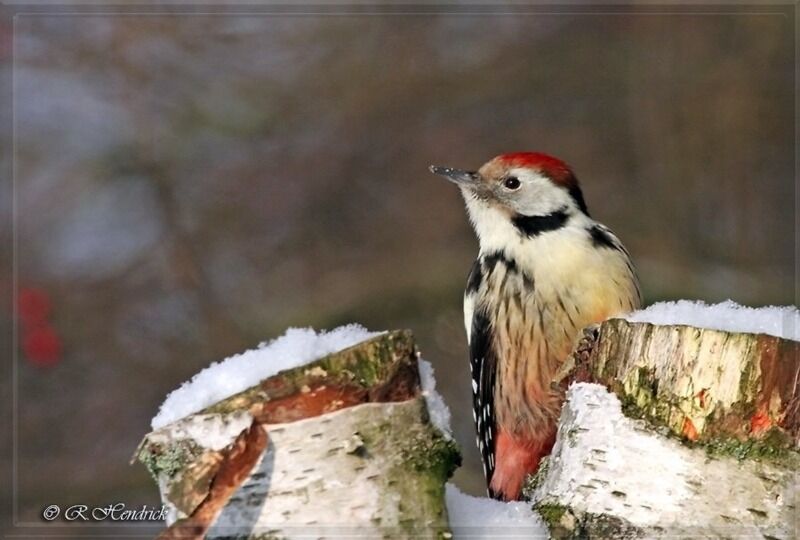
545	270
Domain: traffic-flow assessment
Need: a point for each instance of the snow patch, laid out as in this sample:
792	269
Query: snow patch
481	517
298	346
728	316
211	431
437	408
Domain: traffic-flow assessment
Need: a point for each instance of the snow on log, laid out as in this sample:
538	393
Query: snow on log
699	436
611	476
344	443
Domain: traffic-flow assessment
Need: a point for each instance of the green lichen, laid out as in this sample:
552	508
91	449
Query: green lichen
774	447
605	526
641	389
423	460
664	416
551	513
434	459
533	481
168	460
637	407
559	520
371	362
362	371
564	525
434	454
749	381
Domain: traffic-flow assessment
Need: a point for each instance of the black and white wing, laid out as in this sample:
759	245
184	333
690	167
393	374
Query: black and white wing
483	368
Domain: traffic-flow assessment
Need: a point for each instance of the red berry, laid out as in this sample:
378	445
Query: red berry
42	346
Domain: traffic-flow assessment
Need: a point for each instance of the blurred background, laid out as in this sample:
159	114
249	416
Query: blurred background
190	185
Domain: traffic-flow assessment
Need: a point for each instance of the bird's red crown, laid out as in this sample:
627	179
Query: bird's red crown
552	167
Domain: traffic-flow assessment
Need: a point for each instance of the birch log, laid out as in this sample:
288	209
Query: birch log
703	385
340	446
698	438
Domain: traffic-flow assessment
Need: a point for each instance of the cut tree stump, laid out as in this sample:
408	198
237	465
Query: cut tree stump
704	385
674	431
342	445
699	437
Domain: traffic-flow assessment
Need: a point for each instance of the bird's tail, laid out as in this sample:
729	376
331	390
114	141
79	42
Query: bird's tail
517	456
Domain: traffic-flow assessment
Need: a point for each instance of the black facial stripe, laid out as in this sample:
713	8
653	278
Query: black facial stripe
601	238
532	226
577	196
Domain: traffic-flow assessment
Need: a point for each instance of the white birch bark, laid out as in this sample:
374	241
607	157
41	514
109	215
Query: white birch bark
692	433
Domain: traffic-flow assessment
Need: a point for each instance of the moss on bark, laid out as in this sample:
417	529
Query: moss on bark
705	387
380	369
168	459
422	461
563	524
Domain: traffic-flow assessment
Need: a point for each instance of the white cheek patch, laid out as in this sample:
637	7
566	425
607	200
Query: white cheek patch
538	195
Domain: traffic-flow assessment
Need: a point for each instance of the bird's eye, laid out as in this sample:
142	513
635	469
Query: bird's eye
512	183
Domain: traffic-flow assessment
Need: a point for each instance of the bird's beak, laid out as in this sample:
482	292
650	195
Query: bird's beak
468	179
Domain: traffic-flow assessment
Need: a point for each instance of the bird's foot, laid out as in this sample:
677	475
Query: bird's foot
576	367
